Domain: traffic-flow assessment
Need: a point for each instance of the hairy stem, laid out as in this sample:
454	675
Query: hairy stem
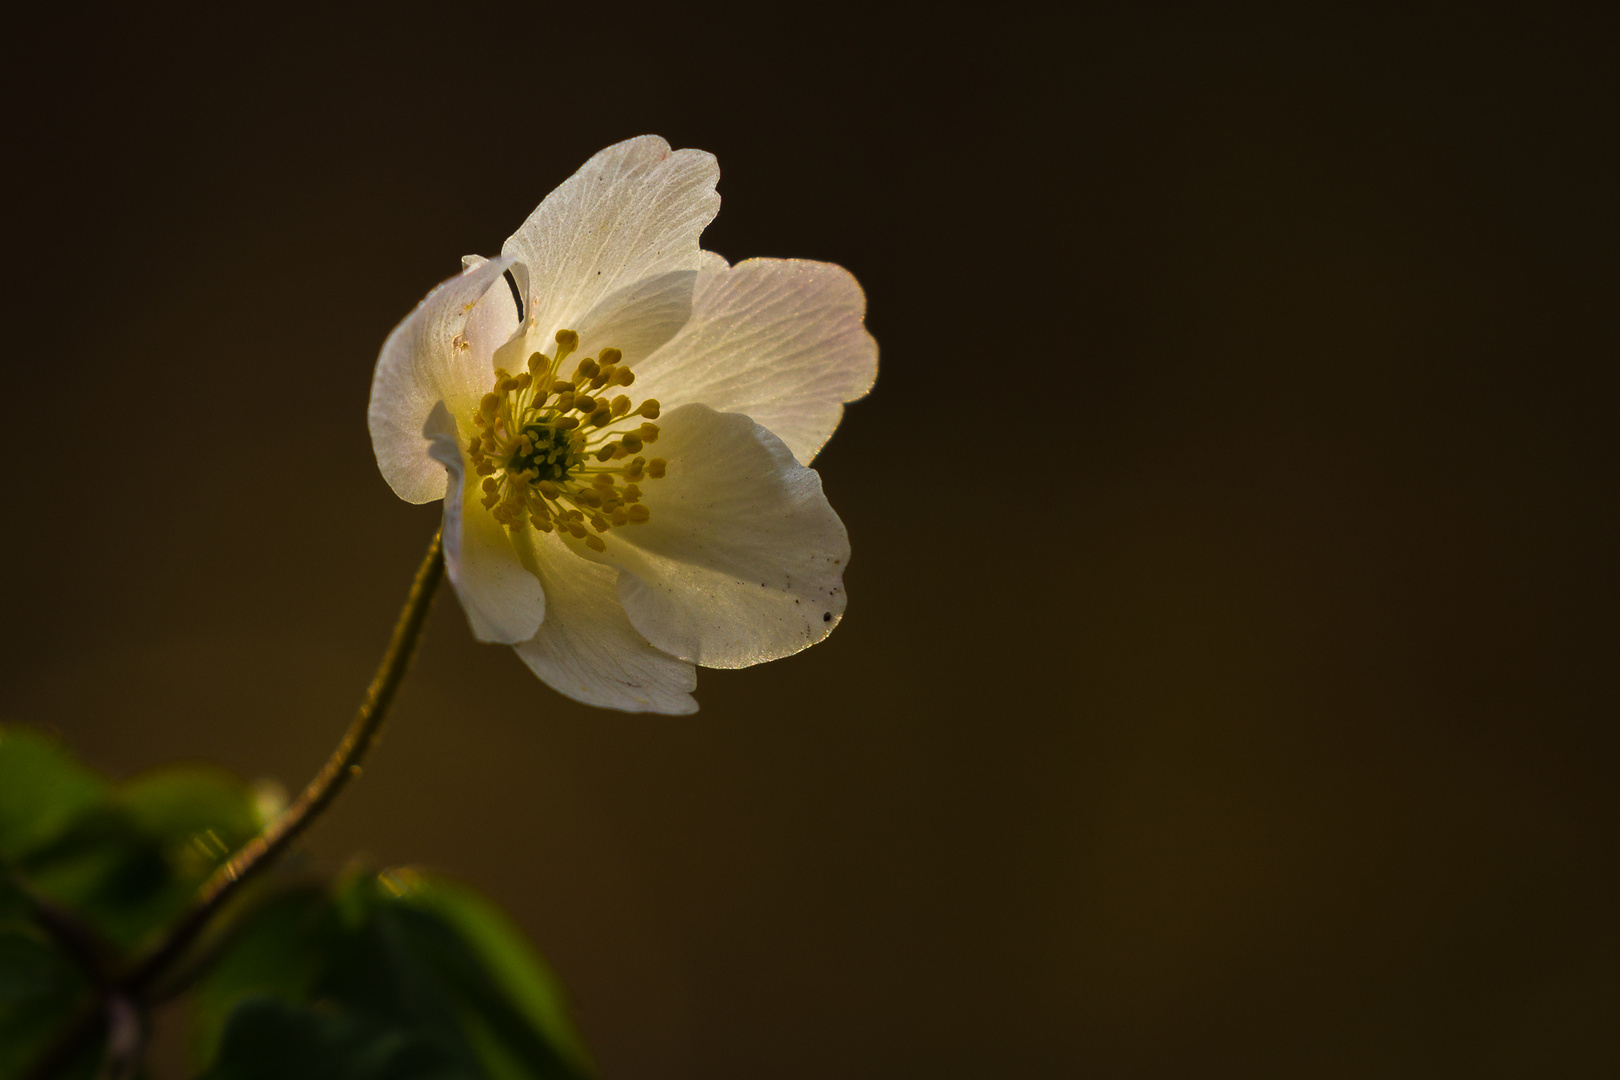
262	850
259	853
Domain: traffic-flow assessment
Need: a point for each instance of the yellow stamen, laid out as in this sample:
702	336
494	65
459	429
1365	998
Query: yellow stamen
541	469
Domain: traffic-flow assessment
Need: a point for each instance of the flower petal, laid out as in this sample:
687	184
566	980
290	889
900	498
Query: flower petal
502	598
587	649
743	559
640	317
491	323
422	363
782	340
633	211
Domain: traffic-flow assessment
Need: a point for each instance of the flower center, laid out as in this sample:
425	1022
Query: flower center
557	453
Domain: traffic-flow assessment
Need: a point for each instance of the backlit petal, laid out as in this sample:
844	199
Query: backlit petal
633	211
782	340
503	600
743	558
422	363
639	318
587	649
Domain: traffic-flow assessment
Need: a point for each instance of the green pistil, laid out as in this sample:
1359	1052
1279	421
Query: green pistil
553	457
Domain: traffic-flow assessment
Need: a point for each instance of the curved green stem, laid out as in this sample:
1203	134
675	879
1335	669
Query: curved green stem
262	850
259	853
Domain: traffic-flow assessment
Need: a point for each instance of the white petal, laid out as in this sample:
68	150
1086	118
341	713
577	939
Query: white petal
587	648
421	363
491	323
633	211
639	318
502	598
782	340
743	559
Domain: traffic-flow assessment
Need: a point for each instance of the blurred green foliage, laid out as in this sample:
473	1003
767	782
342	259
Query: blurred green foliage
377	975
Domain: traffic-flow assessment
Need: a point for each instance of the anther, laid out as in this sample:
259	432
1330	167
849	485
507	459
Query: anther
595	543
530	426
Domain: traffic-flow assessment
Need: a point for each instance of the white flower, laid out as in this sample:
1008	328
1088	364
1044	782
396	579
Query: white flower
622	453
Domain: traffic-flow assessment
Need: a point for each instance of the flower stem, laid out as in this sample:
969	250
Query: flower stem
262	850
257	854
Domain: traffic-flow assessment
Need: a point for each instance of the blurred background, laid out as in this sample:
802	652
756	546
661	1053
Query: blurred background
1264	727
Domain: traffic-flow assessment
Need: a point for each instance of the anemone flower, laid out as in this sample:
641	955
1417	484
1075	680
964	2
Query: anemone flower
620	425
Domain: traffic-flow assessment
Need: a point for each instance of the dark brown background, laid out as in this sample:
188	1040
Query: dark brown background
1228	686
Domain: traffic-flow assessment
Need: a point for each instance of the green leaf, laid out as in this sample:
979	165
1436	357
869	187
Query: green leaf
497	967
276	951
206	809
275	1040
105	867
40	990
396	956
130	863
41	790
